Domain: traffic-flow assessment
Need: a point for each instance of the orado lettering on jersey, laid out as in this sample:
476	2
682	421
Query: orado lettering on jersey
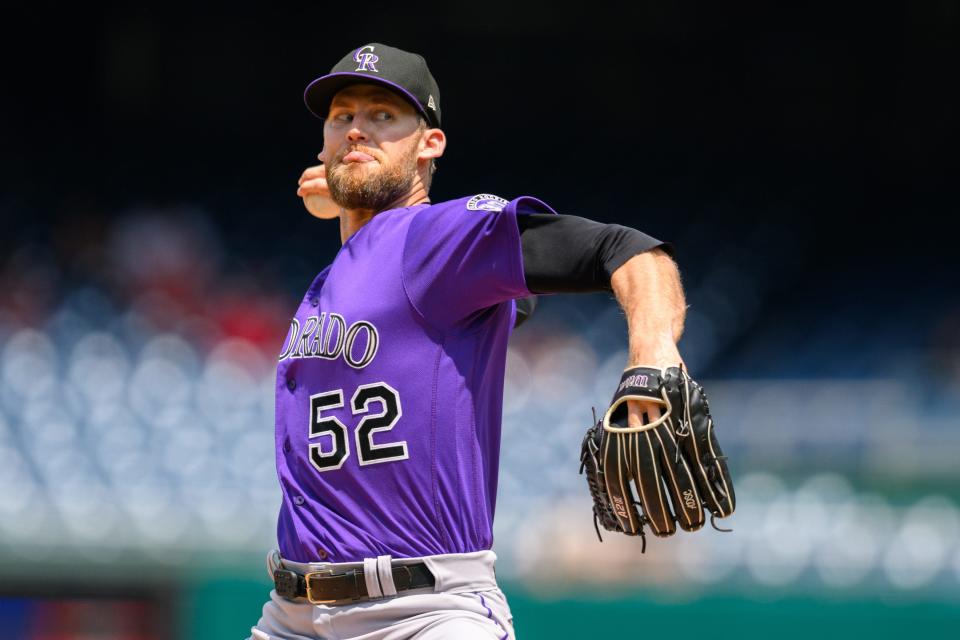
329	337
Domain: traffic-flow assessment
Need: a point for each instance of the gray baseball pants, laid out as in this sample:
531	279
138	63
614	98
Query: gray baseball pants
464	604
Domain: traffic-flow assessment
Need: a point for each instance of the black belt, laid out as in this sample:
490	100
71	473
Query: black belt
327	587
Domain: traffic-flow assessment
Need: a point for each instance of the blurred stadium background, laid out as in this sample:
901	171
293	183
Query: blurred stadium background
801	160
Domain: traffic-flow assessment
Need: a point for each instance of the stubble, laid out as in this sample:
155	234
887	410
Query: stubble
357	188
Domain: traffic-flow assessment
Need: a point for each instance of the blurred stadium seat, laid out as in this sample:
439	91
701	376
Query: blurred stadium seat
136	417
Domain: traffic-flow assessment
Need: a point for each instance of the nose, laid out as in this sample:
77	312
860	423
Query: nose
356	134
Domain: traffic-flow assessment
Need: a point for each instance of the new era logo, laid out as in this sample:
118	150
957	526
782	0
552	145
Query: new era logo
431	104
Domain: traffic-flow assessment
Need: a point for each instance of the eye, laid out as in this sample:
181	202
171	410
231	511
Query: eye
382	116
341	117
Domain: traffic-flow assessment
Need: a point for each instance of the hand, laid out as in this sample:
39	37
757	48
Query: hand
637	408
662	356
316	194
666	471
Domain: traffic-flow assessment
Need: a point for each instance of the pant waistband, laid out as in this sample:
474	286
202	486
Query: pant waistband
453	572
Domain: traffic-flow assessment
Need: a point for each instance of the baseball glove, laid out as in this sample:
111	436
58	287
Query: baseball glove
664	473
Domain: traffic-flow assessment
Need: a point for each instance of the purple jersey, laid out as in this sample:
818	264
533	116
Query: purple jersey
390	385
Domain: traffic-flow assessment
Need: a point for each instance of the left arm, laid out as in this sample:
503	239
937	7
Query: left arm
563	253
649	290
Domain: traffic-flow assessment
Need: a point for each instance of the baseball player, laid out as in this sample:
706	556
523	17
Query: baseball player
390	382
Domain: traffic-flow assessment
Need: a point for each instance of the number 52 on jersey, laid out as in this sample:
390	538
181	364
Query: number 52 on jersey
368	452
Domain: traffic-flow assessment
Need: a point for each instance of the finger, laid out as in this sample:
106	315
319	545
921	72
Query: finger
719	474
643	451
317	185
642	412
703	451
616	477
317	171
681	484
311	173
639	410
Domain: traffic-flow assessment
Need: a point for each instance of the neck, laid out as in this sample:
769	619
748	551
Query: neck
352	219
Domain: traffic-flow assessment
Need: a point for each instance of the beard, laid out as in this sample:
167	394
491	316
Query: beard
356	187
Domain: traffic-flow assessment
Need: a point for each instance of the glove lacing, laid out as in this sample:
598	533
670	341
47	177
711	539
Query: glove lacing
686	422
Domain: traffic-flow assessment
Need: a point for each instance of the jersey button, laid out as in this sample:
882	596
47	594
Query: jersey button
322	554
315	302
286	445
291	384
298	500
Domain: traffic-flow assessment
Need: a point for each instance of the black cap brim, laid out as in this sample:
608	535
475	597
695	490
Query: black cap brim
319	93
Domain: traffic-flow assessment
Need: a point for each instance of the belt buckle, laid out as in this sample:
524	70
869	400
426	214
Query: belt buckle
306	579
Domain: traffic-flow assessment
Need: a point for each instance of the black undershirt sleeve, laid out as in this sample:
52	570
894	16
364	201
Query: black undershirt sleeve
563	253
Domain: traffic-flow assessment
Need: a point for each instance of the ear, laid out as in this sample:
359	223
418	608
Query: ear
432	144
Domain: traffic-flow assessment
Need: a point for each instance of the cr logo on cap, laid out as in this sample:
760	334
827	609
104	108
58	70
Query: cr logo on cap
367	60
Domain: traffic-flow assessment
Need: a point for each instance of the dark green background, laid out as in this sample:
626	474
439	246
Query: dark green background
221	608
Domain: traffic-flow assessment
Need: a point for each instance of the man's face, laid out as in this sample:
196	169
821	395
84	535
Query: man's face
370	145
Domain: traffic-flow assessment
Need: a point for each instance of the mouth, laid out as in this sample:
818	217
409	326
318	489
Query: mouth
357	157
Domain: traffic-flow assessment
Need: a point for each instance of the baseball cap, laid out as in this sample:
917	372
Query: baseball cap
404	72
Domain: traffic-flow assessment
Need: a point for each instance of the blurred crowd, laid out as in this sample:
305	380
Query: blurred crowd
136	412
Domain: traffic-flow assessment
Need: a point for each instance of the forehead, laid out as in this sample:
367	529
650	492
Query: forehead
370	93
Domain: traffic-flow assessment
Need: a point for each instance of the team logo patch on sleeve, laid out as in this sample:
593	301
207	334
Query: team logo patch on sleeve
486	202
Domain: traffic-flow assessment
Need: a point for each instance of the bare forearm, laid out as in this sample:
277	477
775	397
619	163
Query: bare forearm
649	290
